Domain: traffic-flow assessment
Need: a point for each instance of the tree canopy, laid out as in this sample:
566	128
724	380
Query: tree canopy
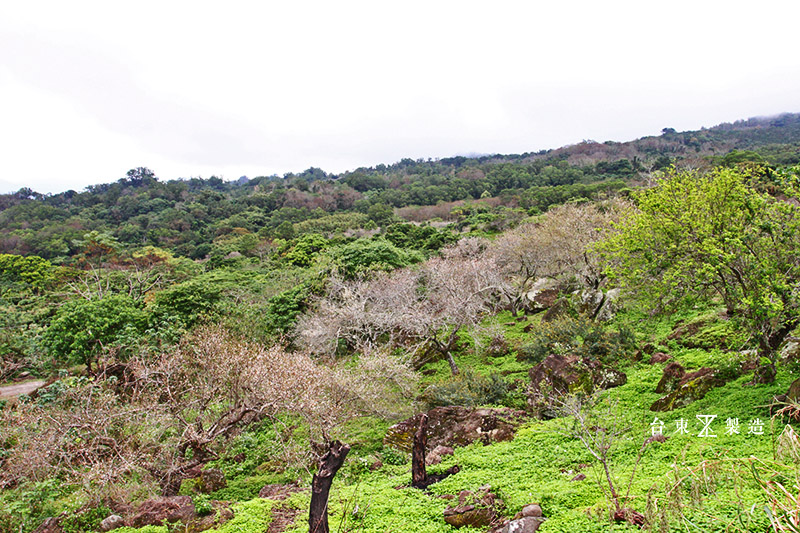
693	234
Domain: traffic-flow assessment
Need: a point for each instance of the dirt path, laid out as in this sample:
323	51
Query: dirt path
9	391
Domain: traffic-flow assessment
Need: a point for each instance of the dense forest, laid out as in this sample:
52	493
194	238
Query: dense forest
601	336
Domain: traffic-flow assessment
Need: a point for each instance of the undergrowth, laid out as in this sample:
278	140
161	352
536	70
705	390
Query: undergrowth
686	483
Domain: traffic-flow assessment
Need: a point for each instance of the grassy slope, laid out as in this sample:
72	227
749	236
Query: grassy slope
537	466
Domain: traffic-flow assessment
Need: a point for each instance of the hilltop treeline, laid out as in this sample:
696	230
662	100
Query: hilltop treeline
187	215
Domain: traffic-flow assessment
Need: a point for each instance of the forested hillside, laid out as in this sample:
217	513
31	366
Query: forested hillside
597	337
190	216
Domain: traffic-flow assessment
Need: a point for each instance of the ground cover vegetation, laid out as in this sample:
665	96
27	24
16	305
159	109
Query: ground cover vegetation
606	331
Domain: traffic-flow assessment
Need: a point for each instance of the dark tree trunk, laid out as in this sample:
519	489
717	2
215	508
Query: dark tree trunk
452	362
768	347
418	474
329	464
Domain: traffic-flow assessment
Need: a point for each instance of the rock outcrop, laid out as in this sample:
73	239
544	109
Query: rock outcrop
170	509
436	455
457	426
212	480
475	509
559	375
685	389
526	521
111	522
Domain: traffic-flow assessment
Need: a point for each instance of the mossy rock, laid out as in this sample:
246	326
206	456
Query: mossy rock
690	391
708	332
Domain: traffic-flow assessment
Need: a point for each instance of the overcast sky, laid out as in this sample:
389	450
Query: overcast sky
89	90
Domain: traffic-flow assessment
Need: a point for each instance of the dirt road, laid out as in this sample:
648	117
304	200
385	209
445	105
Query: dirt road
9	391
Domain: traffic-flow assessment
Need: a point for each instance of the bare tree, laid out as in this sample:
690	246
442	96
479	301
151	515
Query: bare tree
556	247
600	426
215	384
169	416
420	308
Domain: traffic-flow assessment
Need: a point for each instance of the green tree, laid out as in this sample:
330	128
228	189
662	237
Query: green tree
81	329
32	271
381	214
699	234
363	256
186	303
739	157
306	249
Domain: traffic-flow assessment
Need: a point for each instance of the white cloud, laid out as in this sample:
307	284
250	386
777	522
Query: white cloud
90	89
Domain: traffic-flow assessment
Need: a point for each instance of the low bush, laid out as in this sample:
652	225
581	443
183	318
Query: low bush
467	389
578	336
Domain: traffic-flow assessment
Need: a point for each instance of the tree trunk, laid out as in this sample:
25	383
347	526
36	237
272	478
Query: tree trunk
768	347
452	362
329	464
418	474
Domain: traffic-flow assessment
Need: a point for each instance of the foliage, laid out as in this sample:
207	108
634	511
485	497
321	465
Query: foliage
305	249
23	509
578	336
187	303
331	224
32	271
284	308
84	520
413	237
695	234
393	456
249	517
364	256
468	389
82	329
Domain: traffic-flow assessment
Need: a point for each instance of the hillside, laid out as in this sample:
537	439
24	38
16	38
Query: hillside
185	216
599	337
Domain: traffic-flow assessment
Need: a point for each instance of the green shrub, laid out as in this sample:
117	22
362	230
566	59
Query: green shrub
467	389
253	516
202	504
284	308
305	249
245	488
578	336
30	505
364	256
82	328
391	456
729	364
85	520
709	332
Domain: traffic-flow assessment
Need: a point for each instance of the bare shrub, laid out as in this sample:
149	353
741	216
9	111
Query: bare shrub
556	246
419	309
179	411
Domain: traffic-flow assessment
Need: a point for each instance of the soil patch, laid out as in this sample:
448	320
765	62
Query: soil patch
10	391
